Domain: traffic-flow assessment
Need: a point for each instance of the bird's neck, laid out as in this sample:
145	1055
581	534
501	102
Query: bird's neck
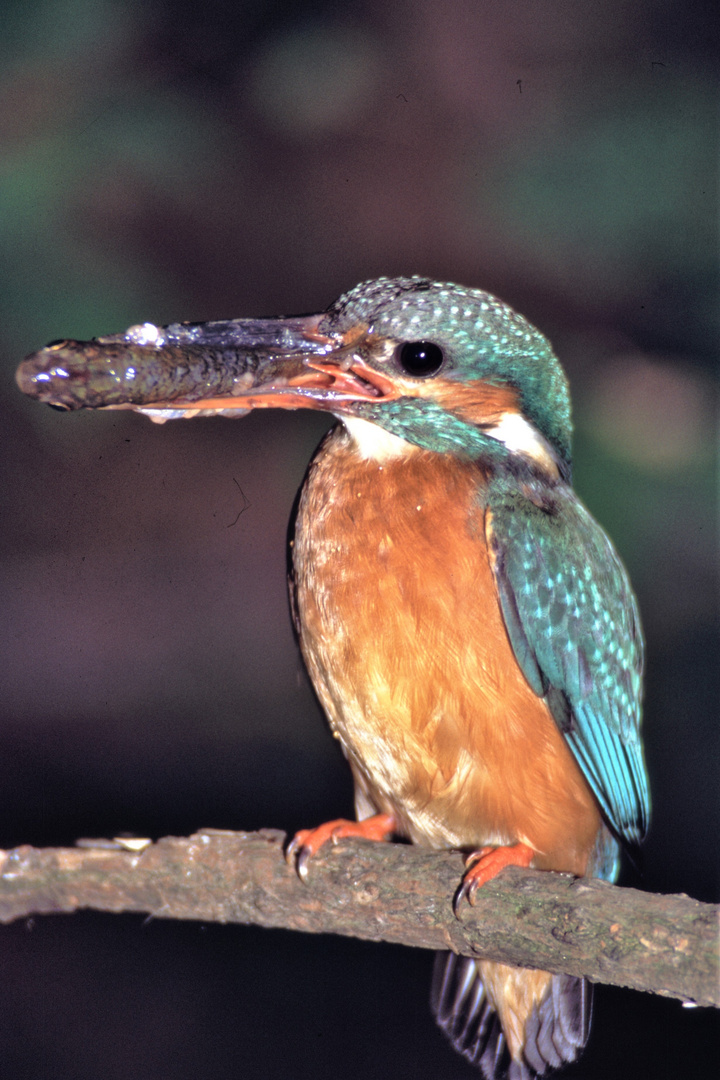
369	442
373	443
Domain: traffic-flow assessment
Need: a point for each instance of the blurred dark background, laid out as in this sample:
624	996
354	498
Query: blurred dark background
179	160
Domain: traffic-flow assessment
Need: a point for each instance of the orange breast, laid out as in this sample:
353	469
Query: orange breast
404	640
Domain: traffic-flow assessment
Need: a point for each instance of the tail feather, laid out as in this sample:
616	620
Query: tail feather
558	1029
464	1013
555	1031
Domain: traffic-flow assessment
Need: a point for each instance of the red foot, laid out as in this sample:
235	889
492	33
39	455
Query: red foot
308	842
486	864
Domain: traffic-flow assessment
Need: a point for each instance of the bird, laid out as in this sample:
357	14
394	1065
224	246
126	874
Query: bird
468	627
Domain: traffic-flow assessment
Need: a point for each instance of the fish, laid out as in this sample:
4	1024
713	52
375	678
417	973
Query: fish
181	370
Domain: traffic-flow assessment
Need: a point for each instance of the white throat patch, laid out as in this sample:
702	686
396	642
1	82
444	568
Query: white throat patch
375	443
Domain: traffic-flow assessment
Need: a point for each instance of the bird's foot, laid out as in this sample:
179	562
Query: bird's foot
308	842
485	864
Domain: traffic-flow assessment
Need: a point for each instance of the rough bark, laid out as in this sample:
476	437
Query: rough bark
666	945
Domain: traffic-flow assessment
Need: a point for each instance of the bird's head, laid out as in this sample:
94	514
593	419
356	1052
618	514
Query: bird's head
454	370
439	366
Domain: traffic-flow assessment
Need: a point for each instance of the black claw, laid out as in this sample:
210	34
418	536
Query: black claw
466	891
302	863
291	851
298	856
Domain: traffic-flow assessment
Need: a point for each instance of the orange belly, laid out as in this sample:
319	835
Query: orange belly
404	640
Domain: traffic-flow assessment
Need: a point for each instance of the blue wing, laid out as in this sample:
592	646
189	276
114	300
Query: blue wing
573	623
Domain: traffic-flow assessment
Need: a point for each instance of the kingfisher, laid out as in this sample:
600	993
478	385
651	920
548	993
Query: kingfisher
468	627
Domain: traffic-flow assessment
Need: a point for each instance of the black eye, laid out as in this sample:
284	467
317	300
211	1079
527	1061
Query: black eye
421	358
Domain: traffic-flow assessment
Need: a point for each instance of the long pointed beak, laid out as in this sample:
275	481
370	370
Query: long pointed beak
199	368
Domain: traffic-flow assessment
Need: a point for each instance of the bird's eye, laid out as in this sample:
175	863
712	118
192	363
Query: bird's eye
420	358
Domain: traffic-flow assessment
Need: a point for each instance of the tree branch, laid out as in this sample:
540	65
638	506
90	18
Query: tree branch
666	945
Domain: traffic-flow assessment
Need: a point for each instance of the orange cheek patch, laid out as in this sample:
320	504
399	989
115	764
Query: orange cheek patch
476	402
